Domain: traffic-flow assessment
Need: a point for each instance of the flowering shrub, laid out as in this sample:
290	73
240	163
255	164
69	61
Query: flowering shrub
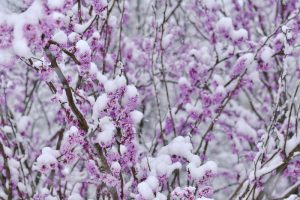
152	99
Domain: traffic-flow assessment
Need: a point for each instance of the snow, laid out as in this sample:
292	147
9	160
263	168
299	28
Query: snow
96	35
280	37
75	197
72	130
8	151
50	151
27	16
106	123
115	166
99	106
181	146
123	149
244	128
263	171
93	69
243	62
191	107
292	143
19	43
137	116
80	28
57	16
60	37
145	191
267	54
14	167
288	49
109	59
219	79
47	160
131	91
166	41
3	195
285	28
101	78
21	187
166	169
289	35
55	4
196	53
50	197
13	163
108	131
221	89
183	81
7	129
113	85
152	181
146	188
112	21
239	35
24	124
120	81
73	37
160	196
224	24
82	46
199	172
292	197
211	4
161	165
110	86
6	57
205	56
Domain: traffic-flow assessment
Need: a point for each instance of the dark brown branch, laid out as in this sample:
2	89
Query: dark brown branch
82	122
